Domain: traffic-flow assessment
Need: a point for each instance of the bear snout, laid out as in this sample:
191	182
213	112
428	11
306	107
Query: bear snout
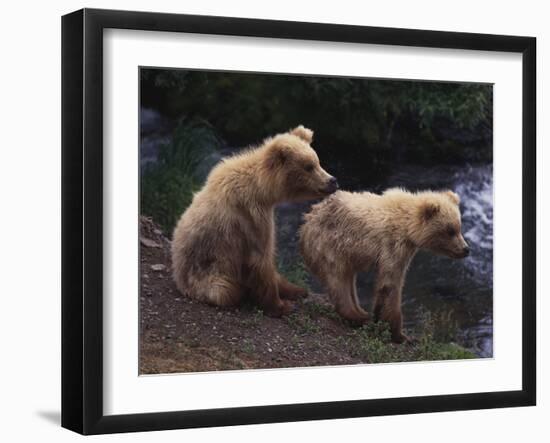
464	252
332	185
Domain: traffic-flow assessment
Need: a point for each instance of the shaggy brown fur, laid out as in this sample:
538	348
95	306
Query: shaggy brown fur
351	232
223	247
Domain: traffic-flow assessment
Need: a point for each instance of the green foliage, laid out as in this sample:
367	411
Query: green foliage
315	310
441	324
165	195
302	324
365	122
167	186
248	346
295	272
450	351
372	342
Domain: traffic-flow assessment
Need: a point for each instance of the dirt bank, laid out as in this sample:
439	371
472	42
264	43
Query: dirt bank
178	334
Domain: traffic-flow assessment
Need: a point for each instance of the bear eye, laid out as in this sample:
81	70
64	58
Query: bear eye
451	231
309	167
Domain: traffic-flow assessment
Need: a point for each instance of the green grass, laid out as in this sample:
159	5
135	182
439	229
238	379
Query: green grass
316	310
442	324
166	195
302	323
372	343
295	272
168	186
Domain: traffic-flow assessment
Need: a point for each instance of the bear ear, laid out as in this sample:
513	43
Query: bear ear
303	133
453	196
428	210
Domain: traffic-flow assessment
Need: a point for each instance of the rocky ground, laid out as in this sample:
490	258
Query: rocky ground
178	334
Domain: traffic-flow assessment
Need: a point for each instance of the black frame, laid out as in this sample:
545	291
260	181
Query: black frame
82	216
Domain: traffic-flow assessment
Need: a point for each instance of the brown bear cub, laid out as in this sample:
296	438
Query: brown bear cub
223	246
352	232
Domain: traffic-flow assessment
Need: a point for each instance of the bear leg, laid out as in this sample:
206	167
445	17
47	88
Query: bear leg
355	298
290	291
271	303
387	307
342	293
264	287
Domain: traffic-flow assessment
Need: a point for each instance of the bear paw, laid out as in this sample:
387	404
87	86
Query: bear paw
285	307
295	294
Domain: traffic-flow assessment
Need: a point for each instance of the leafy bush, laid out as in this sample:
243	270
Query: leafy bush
367	124
167	186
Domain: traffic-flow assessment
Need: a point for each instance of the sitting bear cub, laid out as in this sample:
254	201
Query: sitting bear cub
223	246
352	232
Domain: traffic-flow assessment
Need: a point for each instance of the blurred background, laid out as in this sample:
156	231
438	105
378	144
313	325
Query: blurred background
371	134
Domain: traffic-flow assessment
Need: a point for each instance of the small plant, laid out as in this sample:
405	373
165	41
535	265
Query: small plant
303	324
295	272
248	347
254	319
315	310
445	326
441	325
372	342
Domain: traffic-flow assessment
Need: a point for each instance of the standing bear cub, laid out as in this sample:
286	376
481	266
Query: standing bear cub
352	232
223	246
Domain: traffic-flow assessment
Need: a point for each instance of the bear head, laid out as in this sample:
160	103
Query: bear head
294	167
438	227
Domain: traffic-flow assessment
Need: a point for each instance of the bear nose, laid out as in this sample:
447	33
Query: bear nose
333	183
466	251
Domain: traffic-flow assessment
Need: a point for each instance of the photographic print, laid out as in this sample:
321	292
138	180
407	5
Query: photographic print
296	221
293	204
